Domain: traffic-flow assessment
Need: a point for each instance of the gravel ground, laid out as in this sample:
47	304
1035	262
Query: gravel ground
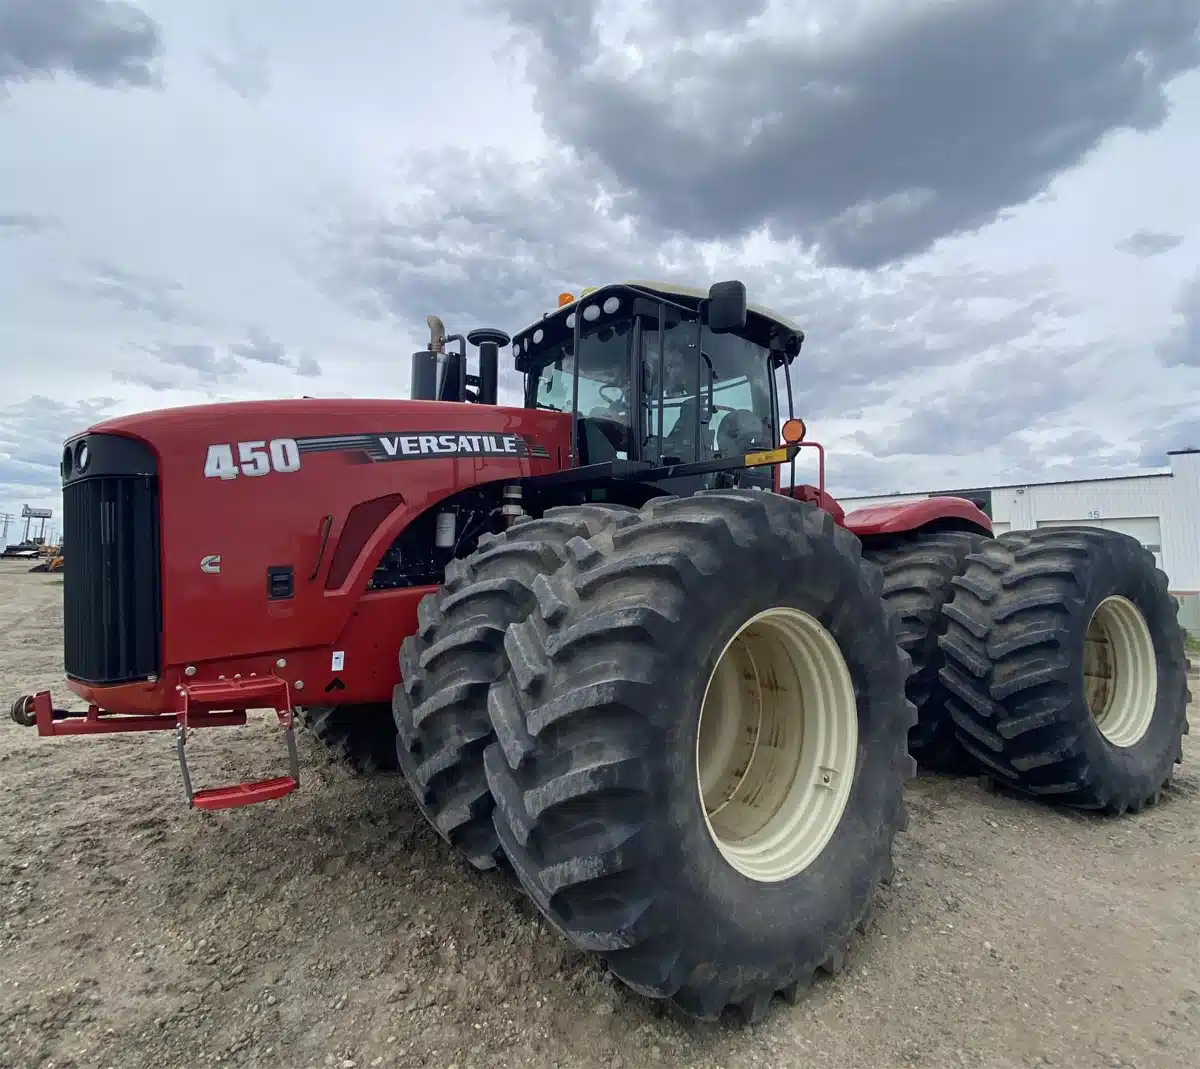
333	929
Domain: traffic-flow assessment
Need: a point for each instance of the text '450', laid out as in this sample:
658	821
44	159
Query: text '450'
226	461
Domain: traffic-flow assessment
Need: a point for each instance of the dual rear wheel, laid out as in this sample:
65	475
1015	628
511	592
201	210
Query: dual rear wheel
697	743
1051	660
1065	667
685	729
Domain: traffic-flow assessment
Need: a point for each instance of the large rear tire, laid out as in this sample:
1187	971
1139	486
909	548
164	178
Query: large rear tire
440	708
1068	667
701	747
362	736
917	572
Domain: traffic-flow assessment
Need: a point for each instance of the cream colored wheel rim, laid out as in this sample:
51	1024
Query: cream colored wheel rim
777	745
1120	671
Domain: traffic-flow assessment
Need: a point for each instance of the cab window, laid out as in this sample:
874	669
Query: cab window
742	416
605	423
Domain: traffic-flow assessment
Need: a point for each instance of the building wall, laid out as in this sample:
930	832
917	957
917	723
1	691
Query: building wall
1161	510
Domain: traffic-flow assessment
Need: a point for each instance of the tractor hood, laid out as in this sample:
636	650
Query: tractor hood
213	501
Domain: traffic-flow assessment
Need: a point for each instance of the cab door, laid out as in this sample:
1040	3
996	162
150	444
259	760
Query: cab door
676	380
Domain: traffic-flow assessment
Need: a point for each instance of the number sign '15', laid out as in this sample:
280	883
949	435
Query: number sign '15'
226	461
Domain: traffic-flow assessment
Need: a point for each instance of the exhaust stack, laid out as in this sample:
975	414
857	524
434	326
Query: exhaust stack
441	375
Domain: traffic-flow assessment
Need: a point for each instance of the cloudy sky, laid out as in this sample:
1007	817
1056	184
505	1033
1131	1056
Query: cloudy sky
985	213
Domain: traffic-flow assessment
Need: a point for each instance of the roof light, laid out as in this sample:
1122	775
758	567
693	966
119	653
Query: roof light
564	299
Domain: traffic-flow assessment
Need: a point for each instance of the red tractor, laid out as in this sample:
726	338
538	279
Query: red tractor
604	644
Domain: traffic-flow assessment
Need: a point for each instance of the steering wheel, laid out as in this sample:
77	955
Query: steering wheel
611	400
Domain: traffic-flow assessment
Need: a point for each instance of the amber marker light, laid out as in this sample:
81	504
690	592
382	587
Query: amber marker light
564	299
794	431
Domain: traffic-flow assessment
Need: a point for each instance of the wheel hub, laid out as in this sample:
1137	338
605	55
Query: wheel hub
777	743
1120	671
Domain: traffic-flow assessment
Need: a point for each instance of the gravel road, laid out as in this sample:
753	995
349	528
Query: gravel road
333	929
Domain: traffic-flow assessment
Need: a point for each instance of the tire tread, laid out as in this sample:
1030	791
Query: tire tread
448	666
918	571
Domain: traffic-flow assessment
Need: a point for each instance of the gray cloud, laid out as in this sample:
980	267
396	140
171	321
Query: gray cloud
153	379
996	398
259	347
478	239
1077	454
871	139
209	365
26	223
1147	243
151	295
850	473
1077	443
242	67
482	241
170	365
865	339
262	348
31	437
161	300
1181	347
1178	428
105	42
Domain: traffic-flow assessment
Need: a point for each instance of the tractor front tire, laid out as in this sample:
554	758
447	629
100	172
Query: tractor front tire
917	573
363	736
702	747
1068	667
440	708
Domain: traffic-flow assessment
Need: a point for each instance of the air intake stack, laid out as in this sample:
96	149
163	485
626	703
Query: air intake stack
489	340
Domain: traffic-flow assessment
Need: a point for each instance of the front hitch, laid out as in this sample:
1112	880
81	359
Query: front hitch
24	712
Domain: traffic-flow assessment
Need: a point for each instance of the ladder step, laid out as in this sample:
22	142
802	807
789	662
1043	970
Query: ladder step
263	790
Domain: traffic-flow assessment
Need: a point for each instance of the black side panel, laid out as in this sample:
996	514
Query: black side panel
112	602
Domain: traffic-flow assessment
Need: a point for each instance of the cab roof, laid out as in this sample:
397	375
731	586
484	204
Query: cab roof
770	323
691	294
671	290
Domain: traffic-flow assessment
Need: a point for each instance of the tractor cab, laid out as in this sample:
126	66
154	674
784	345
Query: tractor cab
662	375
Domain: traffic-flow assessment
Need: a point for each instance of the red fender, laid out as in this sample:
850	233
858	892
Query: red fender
904	516
810	494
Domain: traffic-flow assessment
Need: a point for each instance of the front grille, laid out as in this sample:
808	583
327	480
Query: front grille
112	603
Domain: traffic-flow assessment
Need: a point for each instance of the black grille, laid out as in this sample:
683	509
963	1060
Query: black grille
112	588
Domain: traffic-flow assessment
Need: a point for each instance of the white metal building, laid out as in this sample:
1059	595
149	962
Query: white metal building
1160	509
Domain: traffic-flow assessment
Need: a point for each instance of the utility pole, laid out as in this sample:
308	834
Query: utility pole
5	519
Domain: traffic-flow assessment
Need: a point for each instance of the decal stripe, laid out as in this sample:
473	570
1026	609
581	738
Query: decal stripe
427	445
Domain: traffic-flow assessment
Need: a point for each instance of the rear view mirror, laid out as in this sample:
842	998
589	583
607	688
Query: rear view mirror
726	307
